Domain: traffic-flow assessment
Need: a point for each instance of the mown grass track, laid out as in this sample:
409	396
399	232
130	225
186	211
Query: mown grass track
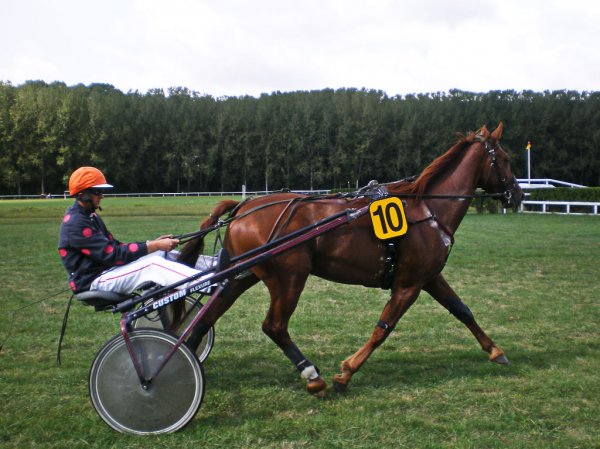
530	280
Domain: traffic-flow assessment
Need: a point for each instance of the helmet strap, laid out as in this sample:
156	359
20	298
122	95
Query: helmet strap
86	201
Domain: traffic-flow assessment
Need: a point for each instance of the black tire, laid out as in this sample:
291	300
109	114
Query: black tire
165	314
172	398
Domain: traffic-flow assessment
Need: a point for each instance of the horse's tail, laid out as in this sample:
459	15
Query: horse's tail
192	249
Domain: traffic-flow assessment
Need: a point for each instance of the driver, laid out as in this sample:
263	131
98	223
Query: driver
95	260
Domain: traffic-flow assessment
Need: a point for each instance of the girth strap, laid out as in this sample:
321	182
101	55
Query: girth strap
390	264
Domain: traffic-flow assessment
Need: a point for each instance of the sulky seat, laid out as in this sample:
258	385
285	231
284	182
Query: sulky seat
101	300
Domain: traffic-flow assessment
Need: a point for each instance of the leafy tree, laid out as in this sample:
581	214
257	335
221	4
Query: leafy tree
330	138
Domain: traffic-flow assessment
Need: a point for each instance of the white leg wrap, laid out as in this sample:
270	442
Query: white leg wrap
309	373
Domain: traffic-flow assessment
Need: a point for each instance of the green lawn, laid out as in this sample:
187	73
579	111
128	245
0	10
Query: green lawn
530	280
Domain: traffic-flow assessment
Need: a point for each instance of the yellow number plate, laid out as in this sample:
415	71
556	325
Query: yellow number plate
388	218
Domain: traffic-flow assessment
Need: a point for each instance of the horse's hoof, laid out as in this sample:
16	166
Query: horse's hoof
339	385
316	386
501	360
497	356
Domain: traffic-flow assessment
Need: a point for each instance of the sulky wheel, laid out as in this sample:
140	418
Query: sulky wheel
170	400
163	319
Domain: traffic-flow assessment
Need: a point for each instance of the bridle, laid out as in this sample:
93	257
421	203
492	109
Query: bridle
509	187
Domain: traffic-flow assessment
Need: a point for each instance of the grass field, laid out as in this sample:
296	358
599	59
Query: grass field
530	280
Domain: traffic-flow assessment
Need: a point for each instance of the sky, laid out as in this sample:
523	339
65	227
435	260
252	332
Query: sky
236	47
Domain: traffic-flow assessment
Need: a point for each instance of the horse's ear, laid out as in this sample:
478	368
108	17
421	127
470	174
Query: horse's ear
497	133
483	132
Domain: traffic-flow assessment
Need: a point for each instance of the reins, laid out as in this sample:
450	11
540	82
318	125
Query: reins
372	190
447	196
184	238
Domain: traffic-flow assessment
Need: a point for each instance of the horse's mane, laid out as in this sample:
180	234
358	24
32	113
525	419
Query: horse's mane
438	165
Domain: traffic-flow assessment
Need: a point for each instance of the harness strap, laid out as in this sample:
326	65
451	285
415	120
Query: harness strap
274	231
445	230
441	225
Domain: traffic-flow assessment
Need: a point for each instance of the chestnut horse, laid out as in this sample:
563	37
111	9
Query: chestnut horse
435	204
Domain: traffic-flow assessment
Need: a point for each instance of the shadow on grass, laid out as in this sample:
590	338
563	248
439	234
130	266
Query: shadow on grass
387	369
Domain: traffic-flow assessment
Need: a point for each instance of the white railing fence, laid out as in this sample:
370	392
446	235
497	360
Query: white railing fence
242	193
528	206
560	207
545	183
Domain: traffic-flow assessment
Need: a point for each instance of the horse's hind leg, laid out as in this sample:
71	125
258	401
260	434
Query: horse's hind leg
443	293
285	291
401	300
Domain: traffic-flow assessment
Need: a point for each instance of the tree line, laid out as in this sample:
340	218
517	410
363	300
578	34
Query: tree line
180	140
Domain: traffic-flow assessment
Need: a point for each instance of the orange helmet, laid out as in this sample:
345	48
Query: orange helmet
87	178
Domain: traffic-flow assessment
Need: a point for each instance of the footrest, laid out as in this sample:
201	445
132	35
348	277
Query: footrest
101	299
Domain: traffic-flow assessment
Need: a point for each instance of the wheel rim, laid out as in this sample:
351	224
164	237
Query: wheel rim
173	397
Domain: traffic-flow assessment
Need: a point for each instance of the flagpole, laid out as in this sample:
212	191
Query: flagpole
528	166
528	148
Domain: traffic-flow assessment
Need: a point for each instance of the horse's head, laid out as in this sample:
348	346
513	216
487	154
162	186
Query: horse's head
497	175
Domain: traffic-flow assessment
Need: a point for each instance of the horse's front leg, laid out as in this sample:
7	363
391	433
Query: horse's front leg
443	293
399	303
